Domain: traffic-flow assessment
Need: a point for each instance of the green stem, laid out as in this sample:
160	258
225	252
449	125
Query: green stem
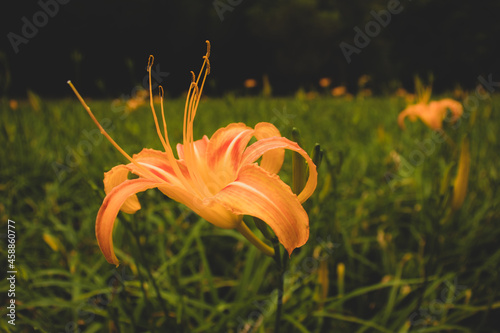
264	248
161	301
281	264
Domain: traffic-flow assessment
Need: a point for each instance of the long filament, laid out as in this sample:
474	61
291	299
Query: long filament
192	101
161	93
113	142
164	140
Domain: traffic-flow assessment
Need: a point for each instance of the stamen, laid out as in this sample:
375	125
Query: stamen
208	48
106	135
164	140
187	109
207	71
189	143
151	59
192	101
160	88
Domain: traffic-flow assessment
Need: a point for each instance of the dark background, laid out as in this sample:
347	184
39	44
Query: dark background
294	42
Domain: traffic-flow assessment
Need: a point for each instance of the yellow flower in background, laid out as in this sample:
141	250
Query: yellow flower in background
34	100
218	178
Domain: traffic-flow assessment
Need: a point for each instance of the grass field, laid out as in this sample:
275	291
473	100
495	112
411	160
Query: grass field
386	252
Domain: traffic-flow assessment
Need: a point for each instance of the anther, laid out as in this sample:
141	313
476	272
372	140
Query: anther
208	48
150	62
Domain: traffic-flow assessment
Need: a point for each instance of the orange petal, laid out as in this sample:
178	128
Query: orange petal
433	115
197	162
430	114
401	118
212	211
411	111
200	148
273	159
226	146
258	193
109	209
157	162
455	107
115	177
256	150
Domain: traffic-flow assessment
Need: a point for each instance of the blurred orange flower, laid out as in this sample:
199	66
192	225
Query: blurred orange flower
250	83
432	114
363	80
325	82
13	104
139	99
339	91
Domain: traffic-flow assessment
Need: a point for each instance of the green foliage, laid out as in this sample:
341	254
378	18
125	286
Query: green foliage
411	263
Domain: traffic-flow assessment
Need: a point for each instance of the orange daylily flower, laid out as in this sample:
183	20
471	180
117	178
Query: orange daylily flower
325	82
250	83
13	104
432	114
218	178
339	91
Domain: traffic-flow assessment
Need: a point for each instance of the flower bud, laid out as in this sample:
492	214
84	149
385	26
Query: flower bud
460	184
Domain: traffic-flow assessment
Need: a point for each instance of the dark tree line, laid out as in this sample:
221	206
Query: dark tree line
105	45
